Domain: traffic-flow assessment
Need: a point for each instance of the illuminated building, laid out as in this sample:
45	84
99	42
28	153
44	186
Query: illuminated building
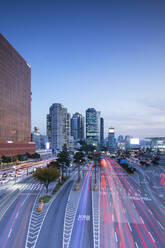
15	102
58	127
127	142
111	139
77	127
157	143
101	132
40	140
92	127
36	137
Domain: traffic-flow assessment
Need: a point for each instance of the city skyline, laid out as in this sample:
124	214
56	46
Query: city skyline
114	50
82	124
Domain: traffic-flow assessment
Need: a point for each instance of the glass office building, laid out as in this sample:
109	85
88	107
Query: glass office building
92	127
101	132
111	139
77	127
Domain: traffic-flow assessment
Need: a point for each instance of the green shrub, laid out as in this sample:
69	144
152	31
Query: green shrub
58	186
45	199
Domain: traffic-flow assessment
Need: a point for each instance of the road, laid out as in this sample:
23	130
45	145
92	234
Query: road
52	229
129	216
17	198
131	213
51	234
14	222
83	225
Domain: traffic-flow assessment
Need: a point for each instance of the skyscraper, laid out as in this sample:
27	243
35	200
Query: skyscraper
101	132
58	126
77	127
15	102
111	139
68	128
92	127
127	141
36	137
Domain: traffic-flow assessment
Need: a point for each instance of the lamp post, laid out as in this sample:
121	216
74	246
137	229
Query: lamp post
95	166
79	170
62	174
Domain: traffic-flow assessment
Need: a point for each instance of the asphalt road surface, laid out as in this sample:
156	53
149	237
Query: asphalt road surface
130	217
14	222
51	234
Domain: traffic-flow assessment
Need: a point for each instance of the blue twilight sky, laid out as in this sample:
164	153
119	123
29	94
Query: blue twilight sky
107	54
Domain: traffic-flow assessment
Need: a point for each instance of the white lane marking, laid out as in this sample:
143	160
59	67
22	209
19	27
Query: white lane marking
24	201
116	237
9	232
136	245
129	227
124	210
141	219
160	225
96	215
150	211
17	215
152	237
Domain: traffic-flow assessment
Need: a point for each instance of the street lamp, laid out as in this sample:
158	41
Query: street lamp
79	170
95	166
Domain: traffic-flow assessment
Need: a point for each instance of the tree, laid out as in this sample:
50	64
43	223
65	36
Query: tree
79	159
14	159
46	175
96	158
104	148
63	158
86	148
53	164
6	159
20	157
34	155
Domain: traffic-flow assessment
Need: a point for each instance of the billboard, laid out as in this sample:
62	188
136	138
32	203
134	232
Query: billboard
47	145
111	130
134	141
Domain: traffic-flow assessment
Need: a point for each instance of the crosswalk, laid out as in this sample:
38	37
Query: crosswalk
25	187
13	191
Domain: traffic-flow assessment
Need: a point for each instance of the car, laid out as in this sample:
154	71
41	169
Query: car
4	180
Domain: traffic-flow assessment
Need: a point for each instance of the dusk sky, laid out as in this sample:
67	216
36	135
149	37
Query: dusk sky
109	55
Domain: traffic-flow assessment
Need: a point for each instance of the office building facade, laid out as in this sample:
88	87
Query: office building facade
15	102
101	132
40	140
36	138
77	127
58	127
92	127
111	139
157	144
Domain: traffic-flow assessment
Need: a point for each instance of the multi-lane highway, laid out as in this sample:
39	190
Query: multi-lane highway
82	230
130	217
125	210
15	219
